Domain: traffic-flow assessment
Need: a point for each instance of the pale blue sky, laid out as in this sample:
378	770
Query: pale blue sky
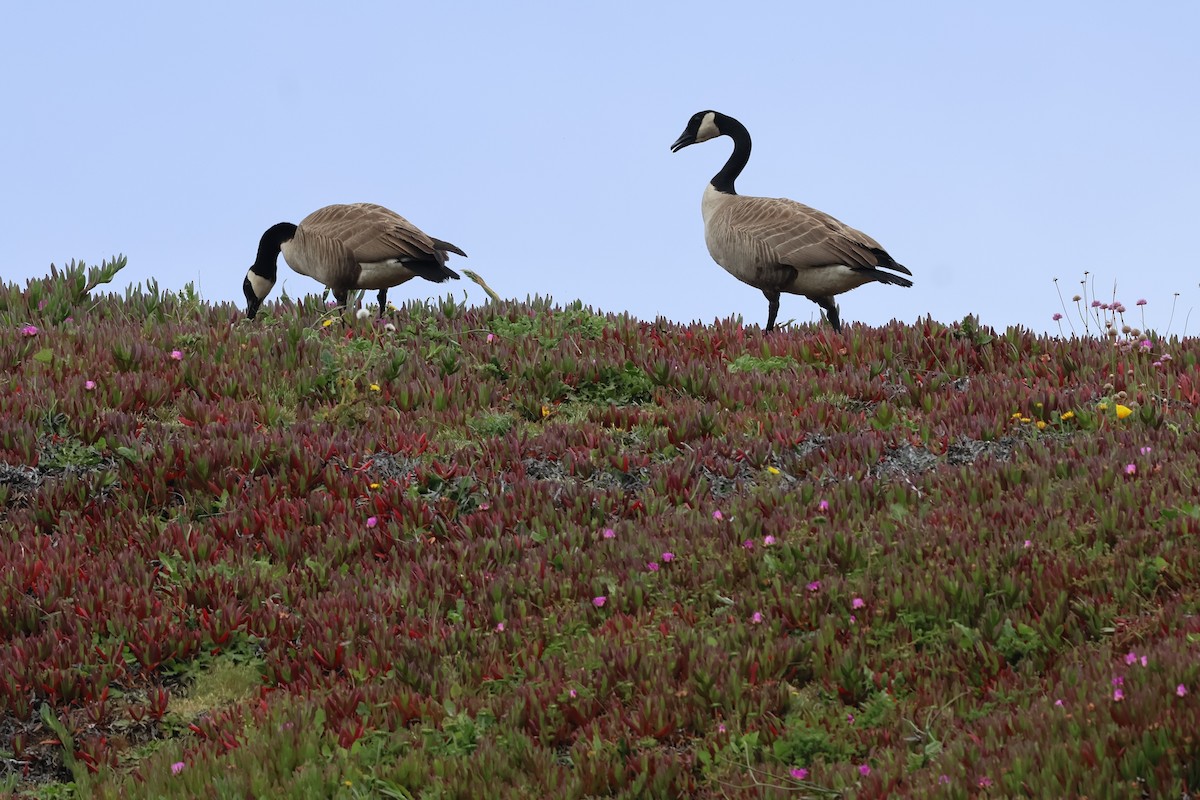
988	147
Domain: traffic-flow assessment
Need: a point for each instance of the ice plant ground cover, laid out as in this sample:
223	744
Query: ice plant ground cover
535	551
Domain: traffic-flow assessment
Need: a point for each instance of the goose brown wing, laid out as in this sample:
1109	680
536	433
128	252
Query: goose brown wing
371	233
801	236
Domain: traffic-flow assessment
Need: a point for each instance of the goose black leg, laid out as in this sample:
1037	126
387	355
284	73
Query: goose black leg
382	302
831	312
772	308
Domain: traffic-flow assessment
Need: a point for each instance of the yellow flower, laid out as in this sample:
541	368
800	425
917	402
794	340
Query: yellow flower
374	387
1101	406
772	470
1041	423
1067	415
1026	419
1016	415
545	411
374	485
1123	411
326	323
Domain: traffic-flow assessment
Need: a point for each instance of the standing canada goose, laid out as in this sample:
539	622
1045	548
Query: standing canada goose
345	247
779	245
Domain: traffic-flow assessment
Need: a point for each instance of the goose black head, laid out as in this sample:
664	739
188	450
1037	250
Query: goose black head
703	125
260	278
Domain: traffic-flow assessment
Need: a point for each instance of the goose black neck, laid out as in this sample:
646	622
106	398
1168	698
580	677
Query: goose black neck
265	263
723	180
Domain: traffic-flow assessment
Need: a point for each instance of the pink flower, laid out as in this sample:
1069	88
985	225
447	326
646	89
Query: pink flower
800	773
599	601
1145	661
30	330
1145	450
768	540
177	767
864	770
985	782
1147	344
500	627
853	620
491	337
1141	302
823	506
177	355
849	719
943	779
718	515
1130	657
89	385
1181	690
748	544
668	556
1096	304
1118	681
720	727
1058	703
652	566
1130	469
857	602
372	522
756	618
1056	317
572	693
1028	543
815	586
1118	695
609	533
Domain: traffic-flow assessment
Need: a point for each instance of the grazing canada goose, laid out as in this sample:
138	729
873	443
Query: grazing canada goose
779	245
345	247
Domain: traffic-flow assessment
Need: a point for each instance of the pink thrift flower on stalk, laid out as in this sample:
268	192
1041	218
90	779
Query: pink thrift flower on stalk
857	602
800	773
1140	303
1057	317
599	601
30	330
177	767
668	556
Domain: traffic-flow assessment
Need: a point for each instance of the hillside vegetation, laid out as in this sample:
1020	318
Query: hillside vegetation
531	551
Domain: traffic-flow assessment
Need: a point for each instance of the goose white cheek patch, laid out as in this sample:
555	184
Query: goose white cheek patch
708	128
260	285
